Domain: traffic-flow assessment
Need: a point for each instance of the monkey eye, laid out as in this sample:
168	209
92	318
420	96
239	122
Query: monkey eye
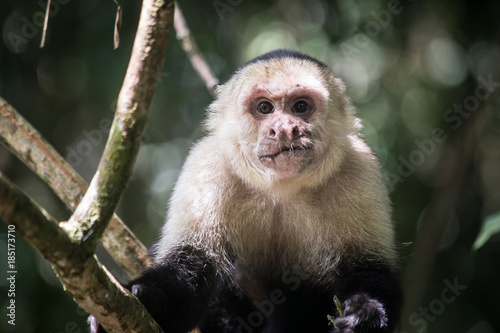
301	107
265	107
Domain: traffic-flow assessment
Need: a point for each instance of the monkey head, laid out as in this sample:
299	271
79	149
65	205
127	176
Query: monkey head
284	122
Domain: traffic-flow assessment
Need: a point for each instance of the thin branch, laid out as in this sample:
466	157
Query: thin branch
189	46
90	284
118	25
91	217
25	142
45	23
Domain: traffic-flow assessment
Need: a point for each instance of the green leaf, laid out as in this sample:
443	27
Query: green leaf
491	226
338	305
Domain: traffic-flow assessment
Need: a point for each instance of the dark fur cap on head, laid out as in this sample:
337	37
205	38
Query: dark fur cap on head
284	53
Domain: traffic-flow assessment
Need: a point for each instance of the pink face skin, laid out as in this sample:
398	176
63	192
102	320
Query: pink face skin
284	114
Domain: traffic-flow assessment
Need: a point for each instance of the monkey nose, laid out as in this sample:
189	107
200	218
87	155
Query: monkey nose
283	133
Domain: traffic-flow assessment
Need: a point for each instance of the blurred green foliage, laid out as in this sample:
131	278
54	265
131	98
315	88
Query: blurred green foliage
423	75
490	228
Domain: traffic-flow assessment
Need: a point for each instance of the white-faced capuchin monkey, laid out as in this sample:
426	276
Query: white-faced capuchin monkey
278	209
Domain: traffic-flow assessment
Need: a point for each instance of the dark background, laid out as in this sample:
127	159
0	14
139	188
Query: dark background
413	68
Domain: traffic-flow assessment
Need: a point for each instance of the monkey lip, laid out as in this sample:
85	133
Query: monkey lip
286	150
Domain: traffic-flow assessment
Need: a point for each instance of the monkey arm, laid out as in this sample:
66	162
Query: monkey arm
175	290
371	297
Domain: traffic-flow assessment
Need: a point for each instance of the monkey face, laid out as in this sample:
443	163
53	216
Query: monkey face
285	106
281	123
284	142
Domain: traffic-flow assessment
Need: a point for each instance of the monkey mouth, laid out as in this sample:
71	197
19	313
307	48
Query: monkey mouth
286	150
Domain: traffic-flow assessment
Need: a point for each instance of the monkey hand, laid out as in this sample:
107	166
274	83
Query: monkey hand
361	314
159	304
169	292
150	296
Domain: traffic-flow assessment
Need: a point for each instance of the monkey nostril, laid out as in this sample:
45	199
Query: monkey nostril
272	133
295	132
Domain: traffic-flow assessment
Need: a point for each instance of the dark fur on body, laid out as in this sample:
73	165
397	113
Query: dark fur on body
185	292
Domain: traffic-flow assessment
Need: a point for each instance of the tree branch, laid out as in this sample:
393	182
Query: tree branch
91	217
189	46
90	284
70	247
25	142
45	24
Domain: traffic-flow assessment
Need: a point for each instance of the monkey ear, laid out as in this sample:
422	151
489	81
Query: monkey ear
338	83
217	91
